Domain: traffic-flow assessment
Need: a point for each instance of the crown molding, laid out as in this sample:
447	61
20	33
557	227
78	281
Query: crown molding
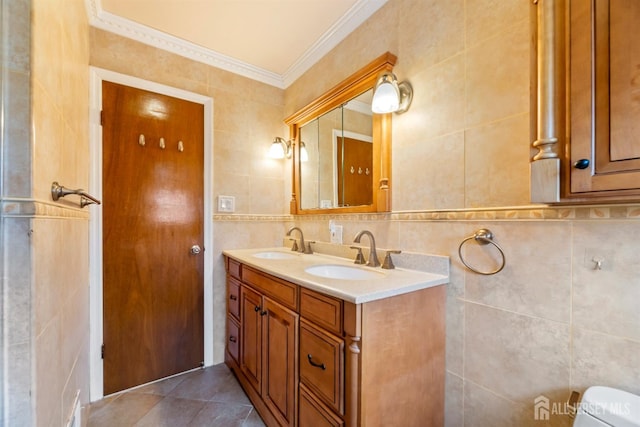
359	12
355	16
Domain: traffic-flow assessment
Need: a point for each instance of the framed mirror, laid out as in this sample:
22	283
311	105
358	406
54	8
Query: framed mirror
345	166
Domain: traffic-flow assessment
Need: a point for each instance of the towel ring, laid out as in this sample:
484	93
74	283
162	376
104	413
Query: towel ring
483	236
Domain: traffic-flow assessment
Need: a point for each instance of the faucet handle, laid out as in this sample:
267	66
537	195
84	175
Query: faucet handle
294	247
388	262
359	256
307	249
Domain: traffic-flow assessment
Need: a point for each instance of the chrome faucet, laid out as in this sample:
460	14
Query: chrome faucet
302	246
373	256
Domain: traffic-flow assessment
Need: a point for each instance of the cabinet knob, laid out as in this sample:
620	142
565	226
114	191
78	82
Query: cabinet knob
232	338
233	297
581	164
264	313
256	308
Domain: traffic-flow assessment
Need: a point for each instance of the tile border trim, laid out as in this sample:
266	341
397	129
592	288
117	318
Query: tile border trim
31	208
595	212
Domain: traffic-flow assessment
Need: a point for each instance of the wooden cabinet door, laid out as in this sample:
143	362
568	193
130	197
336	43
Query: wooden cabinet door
313	413
604	98
251	336
280	379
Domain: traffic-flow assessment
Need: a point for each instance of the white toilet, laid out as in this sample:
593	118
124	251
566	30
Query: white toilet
605	407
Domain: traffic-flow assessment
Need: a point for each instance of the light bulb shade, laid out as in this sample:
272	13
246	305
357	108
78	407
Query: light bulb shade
304	155
280	149
389	96
386	98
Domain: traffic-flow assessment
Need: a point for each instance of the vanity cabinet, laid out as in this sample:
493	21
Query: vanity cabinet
309	359
604	139
268	339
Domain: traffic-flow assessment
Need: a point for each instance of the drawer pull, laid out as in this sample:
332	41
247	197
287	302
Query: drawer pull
314	364
232	338
233	297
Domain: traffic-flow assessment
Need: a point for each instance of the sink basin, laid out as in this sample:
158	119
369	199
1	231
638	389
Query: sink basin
344	272
274	255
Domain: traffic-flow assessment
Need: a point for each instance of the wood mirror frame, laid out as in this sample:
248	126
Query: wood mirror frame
354	85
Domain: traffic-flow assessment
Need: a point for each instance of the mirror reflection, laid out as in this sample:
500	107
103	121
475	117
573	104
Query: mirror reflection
339	168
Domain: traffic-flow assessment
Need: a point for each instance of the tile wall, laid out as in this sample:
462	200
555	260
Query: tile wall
547	324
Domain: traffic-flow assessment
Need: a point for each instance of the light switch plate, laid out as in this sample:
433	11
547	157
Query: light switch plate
226	204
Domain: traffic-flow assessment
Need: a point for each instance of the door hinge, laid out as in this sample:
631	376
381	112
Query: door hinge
102	351
101	117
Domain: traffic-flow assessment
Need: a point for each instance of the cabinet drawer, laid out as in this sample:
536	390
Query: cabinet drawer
321	365
314	413
233	297
233	338
321	310
283	292
234	269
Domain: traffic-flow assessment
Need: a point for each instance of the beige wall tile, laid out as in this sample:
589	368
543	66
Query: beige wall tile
606	300
487	18
514	355
436	186
49	378
437	107
498	77
599	359
47	136
266	195
454	401
497	163
455	335
483	408
537	276
429	31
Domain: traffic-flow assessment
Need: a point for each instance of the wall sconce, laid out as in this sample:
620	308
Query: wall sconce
389	96
281	149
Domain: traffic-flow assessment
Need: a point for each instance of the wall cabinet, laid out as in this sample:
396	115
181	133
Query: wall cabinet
588	102
309	359
604	97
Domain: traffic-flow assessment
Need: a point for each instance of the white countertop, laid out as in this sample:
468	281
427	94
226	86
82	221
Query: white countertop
391	282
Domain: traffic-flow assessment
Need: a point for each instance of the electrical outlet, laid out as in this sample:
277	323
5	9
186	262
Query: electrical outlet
336	234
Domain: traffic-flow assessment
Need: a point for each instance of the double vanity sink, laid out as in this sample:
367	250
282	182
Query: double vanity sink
335	276
316	340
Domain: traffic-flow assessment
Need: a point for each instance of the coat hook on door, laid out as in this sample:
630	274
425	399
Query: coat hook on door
141	140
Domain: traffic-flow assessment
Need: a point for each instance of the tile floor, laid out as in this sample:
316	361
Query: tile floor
206	397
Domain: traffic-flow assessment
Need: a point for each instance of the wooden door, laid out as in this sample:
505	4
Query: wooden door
153	202
280	361
355	186
251	346
604	97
